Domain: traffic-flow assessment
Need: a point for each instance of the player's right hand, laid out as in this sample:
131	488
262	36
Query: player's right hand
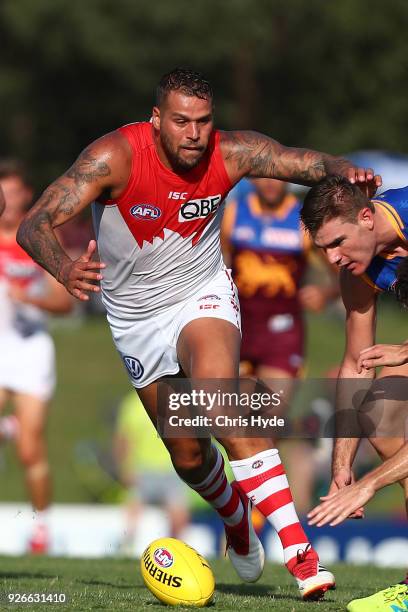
79	276
343	477
382	355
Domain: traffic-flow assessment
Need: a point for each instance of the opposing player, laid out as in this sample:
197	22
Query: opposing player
367	239
158	189
27	369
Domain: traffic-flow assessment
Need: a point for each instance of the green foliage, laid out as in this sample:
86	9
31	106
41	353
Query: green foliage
329	75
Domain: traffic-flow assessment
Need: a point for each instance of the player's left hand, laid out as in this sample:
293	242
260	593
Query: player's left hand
382	355
337	507
365	179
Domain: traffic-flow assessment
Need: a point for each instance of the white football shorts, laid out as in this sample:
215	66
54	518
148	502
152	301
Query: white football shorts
148	346
27	364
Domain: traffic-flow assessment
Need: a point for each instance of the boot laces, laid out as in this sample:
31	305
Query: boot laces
397	593
301	554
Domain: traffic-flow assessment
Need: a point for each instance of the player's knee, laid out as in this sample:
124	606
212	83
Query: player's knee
190	460
30	453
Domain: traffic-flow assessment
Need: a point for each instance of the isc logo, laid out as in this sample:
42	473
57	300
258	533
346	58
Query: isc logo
198	209
145	211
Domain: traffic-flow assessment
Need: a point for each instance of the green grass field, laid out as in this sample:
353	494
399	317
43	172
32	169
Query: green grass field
117	585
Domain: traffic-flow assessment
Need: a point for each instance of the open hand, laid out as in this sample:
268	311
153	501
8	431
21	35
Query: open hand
77	276
344	503
365	179
382	355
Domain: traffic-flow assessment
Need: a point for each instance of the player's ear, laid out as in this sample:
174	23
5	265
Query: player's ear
366	216
156	117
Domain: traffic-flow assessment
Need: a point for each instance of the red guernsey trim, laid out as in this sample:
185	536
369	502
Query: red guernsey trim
292	534
274	501
249	484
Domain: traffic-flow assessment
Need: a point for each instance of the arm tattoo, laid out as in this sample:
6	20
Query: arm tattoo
255	155
87	169
62	200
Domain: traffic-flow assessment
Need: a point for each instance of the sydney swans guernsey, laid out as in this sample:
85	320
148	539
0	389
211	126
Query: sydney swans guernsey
160	238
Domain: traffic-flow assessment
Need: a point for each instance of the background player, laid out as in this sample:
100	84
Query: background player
159	189
269	252
27	369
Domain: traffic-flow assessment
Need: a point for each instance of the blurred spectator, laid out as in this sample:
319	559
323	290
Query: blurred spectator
146	470
27	368
264	242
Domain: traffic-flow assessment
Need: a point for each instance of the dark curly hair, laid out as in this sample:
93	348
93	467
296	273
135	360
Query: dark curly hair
333	196
401	284
189	82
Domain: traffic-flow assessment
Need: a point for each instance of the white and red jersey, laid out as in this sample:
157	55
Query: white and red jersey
160	238
17	268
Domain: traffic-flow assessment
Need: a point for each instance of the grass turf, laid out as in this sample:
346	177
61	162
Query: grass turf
116	584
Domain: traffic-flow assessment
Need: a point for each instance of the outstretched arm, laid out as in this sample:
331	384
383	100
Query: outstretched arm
102	167
248	153
337	507
360	303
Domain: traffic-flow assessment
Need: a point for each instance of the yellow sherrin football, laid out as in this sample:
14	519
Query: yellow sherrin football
176	574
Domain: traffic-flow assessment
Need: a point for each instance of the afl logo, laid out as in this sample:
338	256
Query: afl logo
257	464
145	211
134	367
163	557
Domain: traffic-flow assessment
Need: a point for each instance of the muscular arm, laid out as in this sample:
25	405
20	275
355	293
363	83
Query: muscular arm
360	302
102	167
248	153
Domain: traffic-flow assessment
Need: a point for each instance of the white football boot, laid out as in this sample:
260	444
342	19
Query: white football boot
243	545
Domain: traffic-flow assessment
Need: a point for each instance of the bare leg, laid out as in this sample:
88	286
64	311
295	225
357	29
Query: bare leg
32	449
386	446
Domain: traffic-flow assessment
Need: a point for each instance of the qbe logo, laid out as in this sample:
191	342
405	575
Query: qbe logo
147	212
134	367
199	209
163	557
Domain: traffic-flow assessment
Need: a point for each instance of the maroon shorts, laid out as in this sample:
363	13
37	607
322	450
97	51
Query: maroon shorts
276	342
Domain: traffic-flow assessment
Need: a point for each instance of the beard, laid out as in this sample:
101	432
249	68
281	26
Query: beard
179	163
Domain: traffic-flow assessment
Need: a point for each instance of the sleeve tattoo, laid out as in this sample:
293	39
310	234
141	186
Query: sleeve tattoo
256	155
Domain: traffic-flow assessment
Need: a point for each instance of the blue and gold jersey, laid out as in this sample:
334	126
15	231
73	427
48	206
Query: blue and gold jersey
381	274
269	253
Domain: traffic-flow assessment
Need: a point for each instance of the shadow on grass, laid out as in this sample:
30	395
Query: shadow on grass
18	575
260	591
111	584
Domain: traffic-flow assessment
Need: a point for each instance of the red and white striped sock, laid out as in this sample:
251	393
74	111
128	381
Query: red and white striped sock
263	479
217	491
